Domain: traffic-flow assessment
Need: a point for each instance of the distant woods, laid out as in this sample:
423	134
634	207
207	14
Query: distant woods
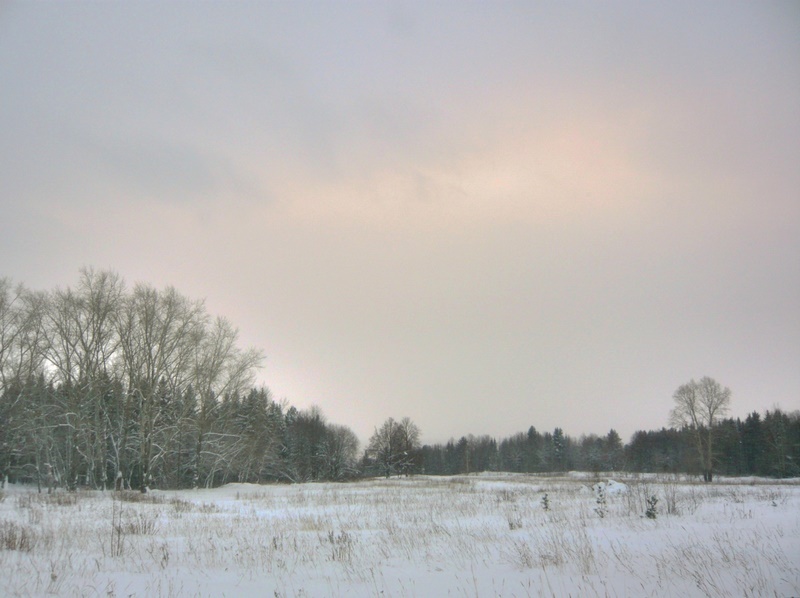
759	445
105	386
701	442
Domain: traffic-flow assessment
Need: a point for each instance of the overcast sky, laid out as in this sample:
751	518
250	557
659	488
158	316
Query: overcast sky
482	216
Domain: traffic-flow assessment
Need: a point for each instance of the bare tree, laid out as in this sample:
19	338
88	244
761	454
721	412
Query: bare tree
26	426
394	446
219	368
81	341
698	406
22	339
95	380
158	333
10	328
338	452
168	347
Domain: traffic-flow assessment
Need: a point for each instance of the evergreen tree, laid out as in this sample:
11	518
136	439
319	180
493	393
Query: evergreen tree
753	445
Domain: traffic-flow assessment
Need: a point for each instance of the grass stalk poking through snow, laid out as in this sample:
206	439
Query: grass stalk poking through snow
480	534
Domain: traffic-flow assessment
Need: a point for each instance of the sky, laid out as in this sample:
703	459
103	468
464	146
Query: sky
479	215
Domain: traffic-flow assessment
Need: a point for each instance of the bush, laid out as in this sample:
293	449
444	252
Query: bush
652	510
602	508
546	502
139	524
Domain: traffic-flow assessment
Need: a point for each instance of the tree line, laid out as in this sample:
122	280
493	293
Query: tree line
105	386
767	445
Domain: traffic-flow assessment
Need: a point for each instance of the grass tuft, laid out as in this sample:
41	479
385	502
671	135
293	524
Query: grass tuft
14	536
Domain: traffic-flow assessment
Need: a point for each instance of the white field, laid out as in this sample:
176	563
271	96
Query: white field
485	535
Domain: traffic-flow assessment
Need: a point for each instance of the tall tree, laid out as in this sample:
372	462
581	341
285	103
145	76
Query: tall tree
698	407
613	452
158	334
82	341
777	447
218	368
394	446
11	317
338	452
752	445
559	453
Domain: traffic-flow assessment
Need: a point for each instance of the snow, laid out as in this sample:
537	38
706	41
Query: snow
610	487
479	535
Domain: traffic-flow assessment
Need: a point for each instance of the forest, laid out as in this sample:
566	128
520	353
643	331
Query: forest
104	387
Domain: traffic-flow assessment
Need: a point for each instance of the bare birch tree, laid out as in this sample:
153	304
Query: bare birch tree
95	380
27	422
81	344
219	368
158	332
698	406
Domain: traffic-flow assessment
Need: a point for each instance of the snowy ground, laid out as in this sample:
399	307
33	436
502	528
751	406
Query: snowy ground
485	535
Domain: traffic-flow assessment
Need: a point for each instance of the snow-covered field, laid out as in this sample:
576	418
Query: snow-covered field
484	535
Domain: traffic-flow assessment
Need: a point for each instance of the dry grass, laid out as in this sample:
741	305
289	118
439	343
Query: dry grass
475	534
15	536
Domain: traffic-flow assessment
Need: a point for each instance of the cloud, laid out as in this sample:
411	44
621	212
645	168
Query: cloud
533	209
153	168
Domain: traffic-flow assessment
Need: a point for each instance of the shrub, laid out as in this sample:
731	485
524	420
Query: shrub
671	498
140	524
652	510
602	508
